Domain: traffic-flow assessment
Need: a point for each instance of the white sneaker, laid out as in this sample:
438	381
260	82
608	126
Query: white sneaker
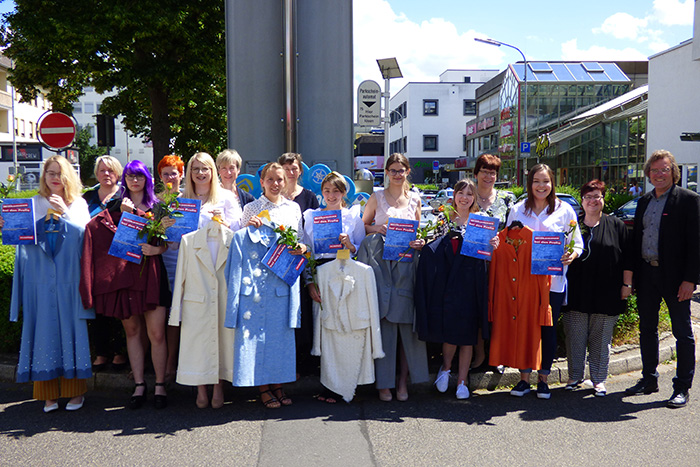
600	390
442	380
462	391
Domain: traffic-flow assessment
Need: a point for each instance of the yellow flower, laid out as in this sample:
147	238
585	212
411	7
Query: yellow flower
169	186
572	224
149	215
10	178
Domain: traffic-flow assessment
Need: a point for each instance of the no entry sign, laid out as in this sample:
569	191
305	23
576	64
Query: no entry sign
56	130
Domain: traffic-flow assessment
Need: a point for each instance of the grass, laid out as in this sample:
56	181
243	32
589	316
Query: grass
627	327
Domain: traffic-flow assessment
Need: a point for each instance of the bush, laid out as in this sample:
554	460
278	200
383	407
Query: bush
615	200
10	333
428	186
627	327
516	190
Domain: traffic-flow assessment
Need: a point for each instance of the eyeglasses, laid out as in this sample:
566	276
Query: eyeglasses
488	173
592	198
394	173
170	175
135	177
663	171
51	174
200	170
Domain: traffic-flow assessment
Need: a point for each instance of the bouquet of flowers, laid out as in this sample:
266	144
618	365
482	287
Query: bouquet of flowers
154	230
447	211
288	236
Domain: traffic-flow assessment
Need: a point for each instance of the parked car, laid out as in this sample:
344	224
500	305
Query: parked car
442	197
426	214
578	209
626	213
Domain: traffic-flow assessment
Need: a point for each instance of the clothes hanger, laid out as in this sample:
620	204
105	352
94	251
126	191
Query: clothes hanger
213	228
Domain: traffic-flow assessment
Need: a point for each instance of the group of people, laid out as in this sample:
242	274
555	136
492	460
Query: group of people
211	311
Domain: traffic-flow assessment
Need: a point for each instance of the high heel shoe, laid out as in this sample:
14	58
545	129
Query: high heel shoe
137	401
160	400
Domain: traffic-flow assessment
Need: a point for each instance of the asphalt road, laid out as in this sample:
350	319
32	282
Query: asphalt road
491	428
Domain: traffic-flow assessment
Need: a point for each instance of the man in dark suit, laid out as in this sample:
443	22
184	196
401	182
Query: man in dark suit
666	264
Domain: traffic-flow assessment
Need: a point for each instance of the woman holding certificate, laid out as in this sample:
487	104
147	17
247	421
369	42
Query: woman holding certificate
262	307
396	300
543	211
347	229
202	182
54	350
135	293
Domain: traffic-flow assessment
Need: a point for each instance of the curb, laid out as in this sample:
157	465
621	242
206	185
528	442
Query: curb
623	360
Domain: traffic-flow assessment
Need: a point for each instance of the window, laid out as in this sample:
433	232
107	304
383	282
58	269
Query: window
430	106
469	107
77	108
430	143
89	108
464	143
467	79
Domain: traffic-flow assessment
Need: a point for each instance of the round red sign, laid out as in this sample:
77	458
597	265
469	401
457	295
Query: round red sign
56	130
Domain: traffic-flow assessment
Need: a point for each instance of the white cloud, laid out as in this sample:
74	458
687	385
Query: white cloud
423	50
674	12
622	26
570	51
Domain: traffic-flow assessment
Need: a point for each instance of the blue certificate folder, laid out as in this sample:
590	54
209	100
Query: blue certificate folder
547	250
399	233
19	228
286	266
189	222
125	244
477	233
328	225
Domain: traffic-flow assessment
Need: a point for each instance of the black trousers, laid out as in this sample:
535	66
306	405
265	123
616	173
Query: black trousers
650	291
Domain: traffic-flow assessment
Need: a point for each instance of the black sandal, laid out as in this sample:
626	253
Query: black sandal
281	396
160	400
137	401
272	402
327	396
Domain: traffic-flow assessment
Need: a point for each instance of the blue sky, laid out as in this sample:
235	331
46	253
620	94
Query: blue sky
428	37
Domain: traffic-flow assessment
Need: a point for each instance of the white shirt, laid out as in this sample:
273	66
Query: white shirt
287	213
77	213
557	221
351	223
229	206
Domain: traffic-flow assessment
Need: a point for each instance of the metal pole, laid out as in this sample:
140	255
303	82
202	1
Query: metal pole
386	126
290	112
14	131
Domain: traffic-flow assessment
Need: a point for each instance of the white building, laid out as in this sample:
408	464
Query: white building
23	123
674	100
428	120
127	147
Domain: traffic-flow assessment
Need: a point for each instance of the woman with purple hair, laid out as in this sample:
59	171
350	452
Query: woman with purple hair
134	293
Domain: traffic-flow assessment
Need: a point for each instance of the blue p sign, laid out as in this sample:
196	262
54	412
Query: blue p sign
524	147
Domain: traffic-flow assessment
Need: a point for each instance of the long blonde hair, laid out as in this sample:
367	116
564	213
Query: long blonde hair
208	161
72	187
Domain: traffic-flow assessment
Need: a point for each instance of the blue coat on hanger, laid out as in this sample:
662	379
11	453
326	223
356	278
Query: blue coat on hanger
45	286
264	311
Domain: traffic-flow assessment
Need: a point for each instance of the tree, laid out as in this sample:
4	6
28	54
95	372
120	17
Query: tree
164	59
88	154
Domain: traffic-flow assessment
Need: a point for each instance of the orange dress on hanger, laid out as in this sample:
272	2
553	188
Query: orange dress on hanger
518	303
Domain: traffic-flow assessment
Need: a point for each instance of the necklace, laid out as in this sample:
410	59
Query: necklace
395	203
487	199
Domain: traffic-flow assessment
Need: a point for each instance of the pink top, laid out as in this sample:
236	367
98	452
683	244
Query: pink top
384	211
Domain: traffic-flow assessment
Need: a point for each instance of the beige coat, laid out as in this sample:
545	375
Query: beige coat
346	331
199	308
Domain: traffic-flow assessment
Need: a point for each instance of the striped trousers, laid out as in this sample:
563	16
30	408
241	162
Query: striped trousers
595	332
59	387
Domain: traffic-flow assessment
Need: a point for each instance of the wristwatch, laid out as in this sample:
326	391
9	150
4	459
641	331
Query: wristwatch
629	286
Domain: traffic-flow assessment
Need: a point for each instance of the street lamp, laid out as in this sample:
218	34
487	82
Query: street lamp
389	68
498	44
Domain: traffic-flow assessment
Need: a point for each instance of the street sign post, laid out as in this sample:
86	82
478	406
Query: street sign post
525	147
368	104
56	130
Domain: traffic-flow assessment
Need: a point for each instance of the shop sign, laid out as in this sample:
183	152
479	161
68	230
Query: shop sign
369	162
506	129
471	129
461	162
505	114
486	123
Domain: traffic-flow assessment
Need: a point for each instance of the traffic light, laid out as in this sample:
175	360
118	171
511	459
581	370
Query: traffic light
105	131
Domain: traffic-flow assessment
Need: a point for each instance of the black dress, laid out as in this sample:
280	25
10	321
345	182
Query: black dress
450	294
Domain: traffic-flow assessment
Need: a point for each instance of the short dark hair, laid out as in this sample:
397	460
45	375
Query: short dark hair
488	162
593	185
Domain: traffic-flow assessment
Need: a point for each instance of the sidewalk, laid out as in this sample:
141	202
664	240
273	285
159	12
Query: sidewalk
624	359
